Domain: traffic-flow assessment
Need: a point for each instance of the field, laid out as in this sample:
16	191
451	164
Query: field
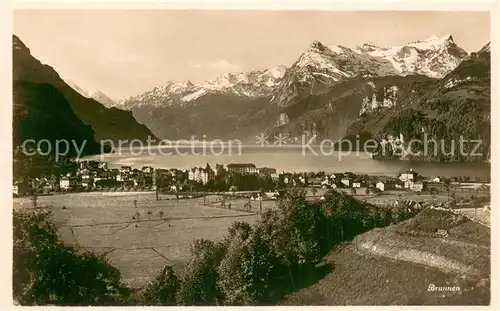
384	197
396	265
140	247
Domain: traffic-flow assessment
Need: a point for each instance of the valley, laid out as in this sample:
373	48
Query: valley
251	158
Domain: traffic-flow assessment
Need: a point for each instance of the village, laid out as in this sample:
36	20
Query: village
85	176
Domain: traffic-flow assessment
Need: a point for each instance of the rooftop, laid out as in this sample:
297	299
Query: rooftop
236	165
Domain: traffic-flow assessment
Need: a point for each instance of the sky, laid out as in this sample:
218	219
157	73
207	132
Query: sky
126	52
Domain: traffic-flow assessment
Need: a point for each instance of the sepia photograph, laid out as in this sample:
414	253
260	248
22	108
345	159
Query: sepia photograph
195	157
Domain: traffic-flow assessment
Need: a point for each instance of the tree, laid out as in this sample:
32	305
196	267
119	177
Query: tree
45	271
475	200
433	192
231	280
233	189
250	272
239	229
199	284
34	200
298	230
163	290
447	184
261	198
177	188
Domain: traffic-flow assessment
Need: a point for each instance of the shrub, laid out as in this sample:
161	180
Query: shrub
45	271
251	272
199	284
162	291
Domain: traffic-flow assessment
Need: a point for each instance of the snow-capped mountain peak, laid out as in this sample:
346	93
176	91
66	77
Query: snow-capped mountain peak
324	58
337	49
276	72
486	48
322	66
96	95
316	46
177	86
369	46
318	68
243	84
433	57
434	42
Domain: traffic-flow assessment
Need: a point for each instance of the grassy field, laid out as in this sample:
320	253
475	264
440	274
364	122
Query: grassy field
102	222
386	196
364	279
407	258
396	265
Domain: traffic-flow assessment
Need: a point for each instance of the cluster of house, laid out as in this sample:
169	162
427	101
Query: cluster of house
207	173
409	180
92	174
406	180
88	175
337	180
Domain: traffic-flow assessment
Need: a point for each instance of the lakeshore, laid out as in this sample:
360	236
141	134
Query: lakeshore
289	159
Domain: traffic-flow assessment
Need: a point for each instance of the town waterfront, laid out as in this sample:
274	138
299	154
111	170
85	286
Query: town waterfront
288	159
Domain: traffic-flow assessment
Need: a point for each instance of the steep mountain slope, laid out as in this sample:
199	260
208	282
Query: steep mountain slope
103	98
321	67
308	97
107	123
223	116
454	107
40	111
328	115
99	96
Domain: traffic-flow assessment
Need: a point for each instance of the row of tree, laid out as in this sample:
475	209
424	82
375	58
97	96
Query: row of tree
258	264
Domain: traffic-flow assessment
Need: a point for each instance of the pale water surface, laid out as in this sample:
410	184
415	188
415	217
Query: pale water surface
285	158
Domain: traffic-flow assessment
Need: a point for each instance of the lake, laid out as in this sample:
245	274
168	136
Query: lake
283	158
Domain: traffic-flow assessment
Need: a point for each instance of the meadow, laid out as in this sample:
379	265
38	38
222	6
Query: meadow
396	265
135	236
139	234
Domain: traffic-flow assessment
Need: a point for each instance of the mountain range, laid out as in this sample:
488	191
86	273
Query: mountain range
456	106
46	107
429	86
321	92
